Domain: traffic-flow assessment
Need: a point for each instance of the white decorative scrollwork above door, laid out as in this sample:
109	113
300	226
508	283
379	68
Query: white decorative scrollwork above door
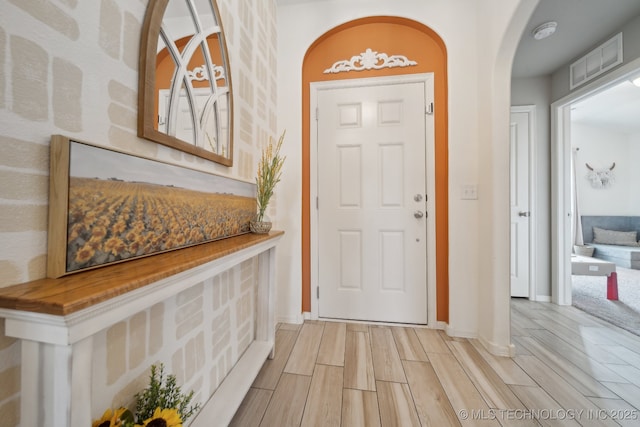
370	60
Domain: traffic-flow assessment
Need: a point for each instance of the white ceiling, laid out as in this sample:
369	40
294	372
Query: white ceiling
616	109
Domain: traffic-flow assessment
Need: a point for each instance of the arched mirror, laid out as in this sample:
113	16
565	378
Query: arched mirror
185	97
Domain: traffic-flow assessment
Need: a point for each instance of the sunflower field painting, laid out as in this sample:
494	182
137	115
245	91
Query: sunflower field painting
121	207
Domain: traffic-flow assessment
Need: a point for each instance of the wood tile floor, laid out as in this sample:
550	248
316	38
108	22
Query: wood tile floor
570	369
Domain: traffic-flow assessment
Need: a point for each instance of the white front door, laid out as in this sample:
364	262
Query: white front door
372	219
520	209
184	129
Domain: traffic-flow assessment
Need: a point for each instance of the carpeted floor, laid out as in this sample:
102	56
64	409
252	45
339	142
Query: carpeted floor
590	295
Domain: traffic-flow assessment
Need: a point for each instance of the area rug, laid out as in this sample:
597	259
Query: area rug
590	295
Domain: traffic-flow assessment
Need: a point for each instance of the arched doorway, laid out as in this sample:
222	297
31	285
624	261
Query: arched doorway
394	36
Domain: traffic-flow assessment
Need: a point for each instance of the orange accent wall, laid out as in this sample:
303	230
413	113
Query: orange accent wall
397	36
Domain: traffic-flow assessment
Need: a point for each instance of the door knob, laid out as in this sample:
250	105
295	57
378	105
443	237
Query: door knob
418	214
525	214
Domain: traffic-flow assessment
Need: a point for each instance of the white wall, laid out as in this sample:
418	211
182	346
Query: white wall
537	91
71	68
500	26
600	148
634	174
471	51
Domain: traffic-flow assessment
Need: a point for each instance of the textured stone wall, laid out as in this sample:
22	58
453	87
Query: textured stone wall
71	67
198	335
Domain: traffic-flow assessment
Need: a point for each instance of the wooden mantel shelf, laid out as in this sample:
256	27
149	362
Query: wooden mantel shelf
56	320
79	291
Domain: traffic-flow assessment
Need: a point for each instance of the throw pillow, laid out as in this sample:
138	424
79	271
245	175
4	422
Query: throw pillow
612	237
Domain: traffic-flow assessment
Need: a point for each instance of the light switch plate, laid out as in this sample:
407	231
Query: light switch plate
469	192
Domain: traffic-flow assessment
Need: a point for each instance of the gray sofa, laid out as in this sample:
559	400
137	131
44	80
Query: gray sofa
622	256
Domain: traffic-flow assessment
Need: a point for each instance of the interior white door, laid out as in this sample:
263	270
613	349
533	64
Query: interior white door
372	224
520	209
184	129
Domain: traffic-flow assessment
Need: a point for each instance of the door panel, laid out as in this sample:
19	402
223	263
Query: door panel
350	258
350	161
520	209
392	257
372	254
392	184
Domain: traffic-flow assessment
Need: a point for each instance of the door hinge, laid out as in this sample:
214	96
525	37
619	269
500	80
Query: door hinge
318	292
317	113
429	108
317	203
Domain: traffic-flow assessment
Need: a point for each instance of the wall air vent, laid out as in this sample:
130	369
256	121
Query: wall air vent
601	59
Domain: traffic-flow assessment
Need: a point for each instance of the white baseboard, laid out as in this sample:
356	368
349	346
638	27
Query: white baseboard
498	350
441	325
453	332
296	319
543	298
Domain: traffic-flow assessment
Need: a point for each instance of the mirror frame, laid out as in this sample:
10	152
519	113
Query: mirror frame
147	80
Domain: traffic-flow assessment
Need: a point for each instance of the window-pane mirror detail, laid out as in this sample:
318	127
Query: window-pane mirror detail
185	84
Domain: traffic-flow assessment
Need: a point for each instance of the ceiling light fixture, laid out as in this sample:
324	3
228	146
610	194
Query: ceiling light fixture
545	30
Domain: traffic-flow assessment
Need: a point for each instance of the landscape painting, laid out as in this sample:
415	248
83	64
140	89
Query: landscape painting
120	207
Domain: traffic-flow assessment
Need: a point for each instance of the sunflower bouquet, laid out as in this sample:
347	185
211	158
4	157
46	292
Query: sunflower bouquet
161	404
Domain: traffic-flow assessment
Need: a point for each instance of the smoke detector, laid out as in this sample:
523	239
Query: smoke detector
545	30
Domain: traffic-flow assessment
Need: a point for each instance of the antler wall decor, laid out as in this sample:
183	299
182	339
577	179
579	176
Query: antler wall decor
602	177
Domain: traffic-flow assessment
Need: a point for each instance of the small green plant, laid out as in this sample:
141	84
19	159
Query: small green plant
163	393
269	173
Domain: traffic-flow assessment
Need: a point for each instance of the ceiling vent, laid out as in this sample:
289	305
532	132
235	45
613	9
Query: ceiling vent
601	59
